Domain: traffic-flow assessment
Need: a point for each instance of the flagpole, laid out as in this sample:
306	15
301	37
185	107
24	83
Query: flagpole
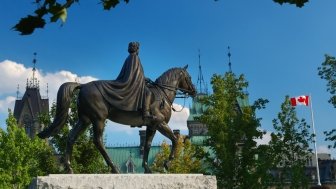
313	125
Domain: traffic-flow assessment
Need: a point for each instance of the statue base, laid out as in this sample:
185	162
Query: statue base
124	181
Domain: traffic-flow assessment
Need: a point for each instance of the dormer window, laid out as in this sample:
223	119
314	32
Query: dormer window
130	166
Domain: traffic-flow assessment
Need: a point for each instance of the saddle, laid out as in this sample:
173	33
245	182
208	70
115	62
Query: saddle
156	98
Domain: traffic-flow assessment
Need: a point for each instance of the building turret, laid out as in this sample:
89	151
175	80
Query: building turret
31	105
196	128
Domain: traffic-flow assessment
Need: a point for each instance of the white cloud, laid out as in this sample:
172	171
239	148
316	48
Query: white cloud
13	74
323	149
178	120
56	79
265	139
6	103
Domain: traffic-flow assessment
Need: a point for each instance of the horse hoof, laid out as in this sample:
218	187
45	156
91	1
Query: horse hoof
148	171
114	171
70	171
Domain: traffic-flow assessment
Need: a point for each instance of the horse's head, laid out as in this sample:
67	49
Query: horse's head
177	79
185	84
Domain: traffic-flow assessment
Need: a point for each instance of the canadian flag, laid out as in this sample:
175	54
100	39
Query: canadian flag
300	100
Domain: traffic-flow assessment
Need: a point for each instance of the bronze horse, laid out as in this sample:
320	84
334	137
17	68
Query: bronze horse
93	109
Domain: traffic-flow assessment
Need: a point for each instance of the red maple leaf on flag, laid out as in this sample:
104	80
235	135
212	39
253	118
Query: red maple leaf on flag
300	100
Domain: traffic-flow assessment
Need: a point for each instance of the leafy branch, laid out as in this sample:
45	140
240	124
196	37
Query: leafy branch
57	10
53	10
298	3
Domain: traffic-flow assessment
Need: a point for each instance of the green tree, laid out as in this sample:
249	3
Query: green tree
328	72
290	147
264	164
188	158
22	158
233	129
298	3
55	10
85	156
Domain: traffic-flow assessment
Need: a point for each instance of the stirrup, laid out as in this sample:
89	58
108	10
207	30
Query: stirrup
148	117
146	114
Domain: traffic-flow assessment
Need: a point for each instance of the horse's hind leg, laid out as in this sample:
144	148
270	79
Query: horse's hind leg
80	126
150	132
98	128
164	129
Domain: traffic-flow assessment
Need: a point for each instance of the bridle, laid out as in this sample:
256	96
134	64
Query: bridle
184	92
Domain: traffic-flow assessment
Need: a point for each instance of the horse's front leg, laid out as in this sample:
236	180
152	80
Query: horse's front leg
164	129
150	132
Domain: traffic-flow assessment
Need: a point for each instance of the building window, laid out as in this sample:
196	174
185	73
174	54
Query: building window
130	166
27	128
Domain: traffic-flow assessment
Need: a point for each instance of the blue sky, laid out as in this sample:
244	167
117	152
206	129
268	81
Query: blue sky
278	48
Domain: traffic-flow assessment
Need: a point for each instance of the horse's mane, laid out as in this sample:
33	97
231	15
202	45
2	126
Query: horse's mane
168	75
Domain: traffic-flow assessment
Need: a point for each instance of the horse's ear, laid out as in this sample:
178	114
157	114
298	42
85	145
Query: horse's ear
185	67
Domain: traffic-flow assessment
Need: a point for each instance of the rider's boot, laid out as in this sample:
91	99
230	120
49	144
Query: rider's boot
147	116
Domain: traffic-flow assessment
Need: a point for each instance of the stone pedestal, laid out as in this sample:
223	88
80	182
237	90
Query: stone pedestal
125	181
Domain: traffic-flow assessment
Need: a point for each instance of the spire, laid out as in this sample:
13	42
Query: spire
229	55
34	70
200	80
17	91
47	90
33	82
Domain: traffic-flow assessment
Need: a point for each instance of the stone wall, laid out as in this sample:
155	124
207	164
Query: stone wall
125	181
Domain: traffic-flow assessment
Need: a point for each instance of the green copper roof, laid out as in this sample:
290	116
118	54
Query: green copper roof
198	140
243	102
197	109
120	156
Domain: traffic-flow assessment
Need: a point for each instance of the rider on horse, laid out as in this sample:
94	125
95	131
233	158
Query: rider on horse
133	66
128	91
125	100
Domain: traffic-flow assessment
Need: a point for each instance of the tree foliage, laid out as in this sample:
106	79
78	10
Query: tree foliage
331	136
290	147
233	129
328	72
55	10
188	158
298	3
85	156
23	158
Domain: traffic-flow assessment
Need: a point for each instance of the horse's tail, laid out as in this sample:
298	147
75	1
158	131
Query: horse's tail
64	95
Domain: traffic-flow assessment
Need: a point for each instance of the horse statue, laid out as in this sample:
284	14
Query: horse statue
94	109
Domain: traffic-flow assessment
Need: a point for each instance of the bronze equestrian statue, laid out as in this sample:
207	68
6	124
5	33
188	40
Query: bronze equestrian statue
128	100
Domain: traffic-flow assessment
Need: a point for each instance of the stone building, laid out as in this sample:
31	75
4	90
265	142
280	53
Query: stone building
28	108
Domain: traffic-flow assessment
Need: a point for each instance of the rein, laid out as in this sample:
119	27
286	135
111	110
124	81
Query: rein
184	92
175	89
172	88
